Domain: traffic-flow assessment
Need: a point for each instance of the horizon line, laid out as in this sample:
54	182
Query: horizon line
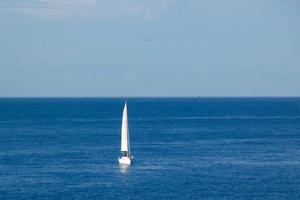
124	97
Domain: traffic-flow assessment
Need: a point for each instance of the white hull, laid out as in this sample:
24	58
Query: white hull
125	160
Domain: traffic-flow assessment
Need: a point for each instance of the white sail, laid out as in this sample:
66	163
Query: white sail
126	157
125	146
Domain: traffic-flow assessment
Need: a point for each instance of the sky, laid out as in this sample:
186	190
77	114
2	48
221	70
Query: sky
117	48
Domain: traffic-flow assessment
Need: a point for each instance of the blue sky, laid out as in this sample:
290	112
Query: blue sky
100	48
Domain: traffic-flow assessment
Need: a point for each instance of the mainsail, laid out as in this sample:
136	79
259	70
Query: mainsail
125	146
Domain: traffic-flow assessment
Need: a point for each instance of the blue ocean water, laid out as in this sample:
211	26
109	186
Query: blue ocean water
183	148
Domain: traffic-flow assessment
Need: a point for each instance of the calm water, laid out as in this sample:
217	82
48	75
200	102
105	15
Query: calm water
184	148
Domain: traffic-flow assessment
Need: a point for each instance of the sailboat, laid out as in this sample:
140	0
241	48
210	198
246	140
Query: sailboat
126	157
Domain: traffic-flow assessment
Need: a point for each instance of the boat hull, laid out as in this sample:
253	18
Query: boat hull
125	160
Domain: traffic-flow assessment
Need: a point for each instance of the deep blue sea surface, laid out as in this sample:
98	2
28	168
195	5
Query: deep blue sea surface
183	148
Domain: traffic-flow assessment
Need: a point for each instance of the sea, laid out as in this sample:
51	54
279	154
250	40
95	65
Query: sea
183	148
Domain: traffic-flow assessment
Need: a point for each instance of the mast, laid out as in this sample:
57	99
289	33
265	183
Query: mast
125	146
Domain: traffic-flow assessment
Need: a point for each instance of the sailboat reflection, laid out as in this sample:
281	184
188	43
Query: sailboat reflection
124	168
